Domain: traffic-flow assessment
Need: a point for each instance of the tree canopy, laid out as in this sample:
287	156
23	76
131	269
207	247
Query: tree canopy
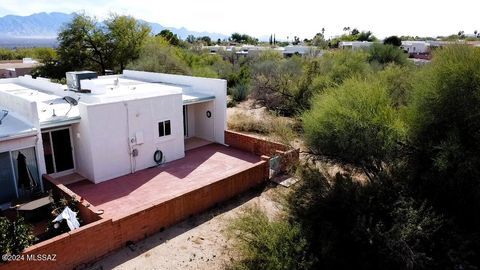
243	38
170	37
85	43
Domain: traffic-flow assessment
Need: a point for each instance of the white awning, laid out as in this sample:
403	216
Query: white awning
196	97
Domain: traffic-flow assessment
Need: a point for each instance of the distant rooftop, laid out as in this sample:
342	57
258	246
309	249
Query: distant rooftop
13	64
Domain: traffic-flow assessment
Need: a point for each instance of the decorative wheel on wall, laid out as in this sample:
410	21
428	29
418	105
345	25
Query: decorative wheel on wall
158	156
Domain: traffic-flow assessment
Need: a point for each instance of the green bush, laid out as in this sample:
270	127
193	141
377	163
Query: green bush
353	225
355	123
399	83
341	65
239	92
444	121
386	54
265	244
15	236
157	56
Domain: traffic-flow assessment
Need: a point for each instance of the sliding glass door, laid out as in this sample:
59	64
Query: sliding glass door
7	181
58	151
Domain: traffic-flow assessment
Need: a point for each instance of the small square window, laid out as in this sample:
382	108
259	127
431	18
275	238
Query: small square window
164	128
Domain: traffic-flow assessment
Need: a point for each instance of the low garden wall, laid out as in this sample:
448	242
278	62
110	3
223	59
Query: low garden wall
78	248
262	147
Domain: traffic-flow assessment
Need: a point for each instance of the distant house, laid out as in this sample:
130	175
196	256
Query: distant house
354	45
103	127
16	68
214	49
300	50
415	47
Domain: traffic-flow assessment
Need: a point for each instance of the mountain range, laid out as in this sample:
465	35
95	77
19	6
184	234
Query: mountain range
42	28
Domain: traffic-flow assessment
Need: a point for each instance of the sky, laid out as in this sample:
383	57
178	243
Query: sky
259	18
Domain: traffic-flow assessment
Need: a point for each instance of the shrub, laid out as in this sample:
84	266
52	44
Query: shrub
341	65
239	92
355	123
444	121
15	236
157	56
372	225
265	244
385	54
244	122
399	83
274	81
278	128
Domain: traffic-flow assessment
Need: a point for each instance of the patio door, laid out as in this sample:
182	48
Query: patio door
58	151
8	190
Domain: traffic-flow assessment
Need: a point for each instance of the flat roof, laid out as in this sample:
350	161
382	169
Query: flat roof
52	110
13	127
116	88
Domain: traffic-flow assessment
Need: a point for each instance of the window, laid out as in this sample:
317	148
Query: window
164	128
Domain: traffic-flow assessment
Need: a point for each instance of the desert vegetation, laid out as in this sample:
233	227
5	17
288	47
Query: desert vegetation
412	131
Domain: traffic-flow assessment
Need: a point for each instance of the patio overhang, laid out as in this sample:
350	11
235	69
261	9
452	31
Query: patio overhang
196	97
59	121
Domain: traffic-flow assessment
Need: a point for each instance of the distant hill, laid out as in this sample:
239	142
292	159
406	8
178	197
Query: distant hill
41	29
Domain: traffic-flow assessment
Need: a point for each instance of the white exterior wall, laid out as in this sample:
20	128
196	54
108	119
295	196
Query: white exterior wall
204	126
26	111
216	87
415	47
102	137
81	140
355	45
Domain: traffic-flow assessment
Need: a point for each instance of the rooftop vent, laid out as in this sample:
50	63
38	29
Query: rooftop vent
74	78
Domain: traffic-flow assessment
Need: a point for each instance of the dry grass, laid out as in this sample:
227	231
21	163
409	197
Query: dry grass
277	128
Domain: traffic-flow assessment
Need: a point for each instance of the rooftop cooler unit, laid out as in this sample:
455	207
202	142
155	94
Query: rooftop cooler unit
74	78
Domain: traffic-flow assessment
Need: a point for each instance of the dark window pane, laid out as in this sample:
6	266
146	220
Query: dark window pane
62	149
168	130
161	131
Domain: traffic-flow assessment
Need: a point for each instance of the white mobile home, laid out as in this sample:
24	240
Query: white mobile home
109	126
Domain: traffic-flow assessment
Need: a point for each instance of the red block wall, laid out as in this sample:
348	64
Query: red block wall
76	249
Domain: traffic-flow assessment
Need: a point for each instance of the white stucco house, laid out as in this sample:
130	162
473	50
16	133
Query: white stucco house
301	50
354	45
106	127
415	47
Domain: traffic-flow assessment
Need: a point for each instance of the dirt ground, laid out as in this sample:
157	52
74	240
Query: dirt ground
199	242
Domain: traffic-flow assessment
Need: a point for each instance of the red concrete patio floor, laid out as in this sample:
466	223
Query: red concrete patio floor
124	195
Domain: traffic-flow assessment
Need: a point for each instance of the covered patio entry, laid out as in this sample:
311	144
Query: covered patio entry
198	119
